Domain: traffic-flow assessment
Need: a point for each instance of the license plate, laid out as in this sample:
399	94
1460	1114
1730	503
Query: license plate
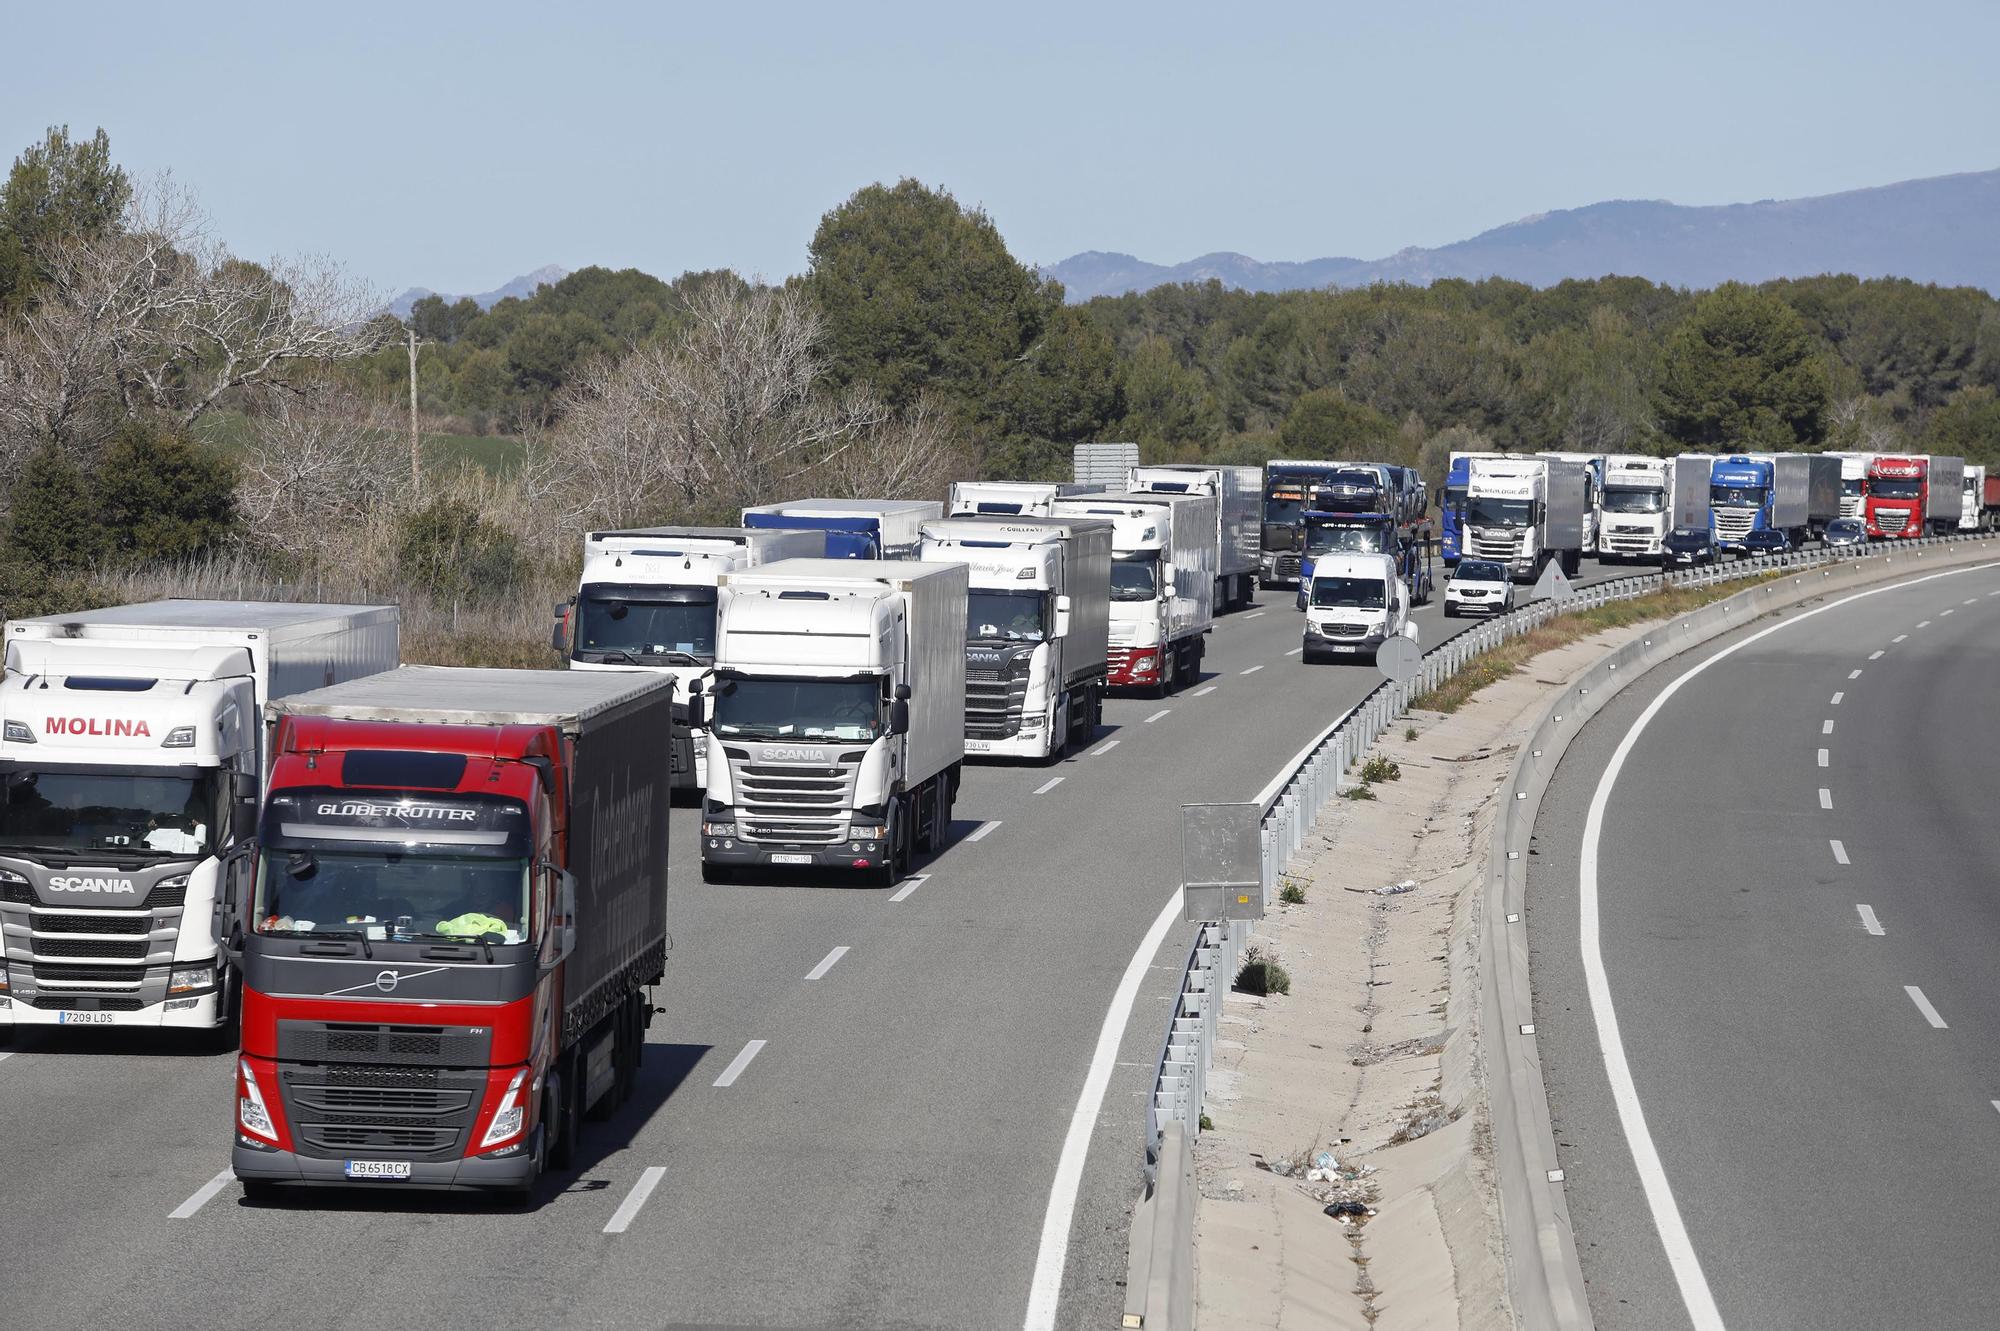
779	857
83	1018
378	1169
979	746
1339	648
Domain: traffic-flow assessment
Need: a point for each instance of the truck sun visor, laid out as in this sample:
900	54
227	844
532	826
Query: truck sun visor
404	770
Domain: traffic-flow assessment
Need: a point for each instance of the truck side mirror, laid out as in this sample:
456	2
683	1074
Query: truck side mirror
564	923
899	717
1167	571
697	711
559	635
1062	616
903	692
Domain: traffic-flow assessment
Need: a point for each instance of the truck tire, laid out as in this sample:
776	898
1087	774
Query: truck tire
559	1127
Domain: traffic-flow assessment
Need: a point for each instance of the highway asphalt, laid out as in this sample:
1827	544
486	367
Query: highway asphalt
1797	926
882	1156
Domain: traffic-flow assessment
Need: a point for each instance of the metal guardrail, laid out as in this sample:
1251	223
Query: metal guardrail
1188	1047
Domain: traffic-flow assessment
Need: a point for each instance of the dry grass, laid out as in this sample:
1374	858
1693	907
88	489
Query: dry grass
1490	667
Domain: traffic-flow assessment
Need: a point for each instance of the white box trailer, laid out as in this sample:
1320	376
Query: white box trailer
133	744
1239	496
1038	633
1010	498
836	716
855	528
1162	583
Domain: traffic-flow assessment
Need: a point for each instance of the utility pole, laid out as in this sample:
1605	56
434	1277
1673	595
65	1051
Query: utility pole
416	454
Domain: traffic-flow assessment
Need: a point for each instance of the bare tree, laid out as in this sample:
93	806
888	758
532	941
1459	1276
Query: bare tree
326	460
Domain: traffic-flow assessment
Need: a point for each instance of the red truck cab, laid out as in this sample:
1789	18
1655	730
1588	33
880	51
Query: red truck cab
1895	498
426	1002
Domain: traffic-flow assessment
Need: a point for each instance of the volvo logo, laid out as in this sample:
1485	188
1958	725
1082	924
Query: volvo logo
387	981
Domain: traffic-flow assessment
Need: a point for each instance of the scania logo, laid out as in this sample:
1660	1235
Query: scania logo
791	755
63	883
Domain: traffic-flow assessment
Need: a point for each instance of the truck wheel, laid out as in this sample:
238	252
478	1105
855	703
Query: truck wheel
559	1121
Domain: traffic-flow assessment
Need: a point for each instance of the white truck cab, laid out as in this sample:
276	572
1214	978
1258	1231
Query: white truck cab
1354	604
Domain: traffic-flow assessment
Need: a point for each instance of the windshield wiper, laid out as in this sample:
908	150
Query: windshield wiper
604	655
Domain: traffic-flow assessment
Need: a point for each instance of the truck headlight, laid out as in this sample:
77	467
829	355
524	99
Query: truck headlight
1034	721
507	1119
867	831
718	829
252	1115
194	977
17	733
180	737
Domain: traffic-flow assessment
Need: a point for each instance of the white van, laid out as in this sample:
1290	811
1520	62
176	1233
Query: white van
1355	603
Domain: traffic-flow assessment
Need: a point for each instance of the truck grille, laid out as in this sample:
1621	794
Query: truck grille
131	926
128	949
74	1003
1287	568
994	702
791	802
127	977
1850	506
1344	630
422	1047
1504	546
1733	524
381	1108
1633	541
1892	521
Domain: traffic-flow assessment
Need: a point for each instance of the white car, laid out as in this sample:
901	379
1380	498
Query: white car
1478	587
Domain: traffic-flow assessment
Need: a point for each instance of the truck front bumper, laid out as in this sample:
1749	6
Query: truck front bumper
1024	743
199	1012
732	853
1133	667
516	1170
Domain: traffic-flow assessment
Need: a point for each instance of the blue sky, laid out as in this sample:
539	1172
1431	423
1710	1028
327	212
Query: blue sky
454	146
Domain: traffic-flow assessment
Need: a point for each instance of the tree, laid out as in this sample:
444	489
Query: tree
161	497
1742	372
450	550
1324	424
57	190
1063	392
1165	401
920	295
1968	426
54	523
323	462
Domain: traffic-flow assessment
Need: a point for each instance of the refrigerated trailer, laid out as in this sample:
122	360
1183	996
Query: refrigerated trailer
133	758
1238	495
855	528
1162	584
1525	513
461	899
1010	498
1037	625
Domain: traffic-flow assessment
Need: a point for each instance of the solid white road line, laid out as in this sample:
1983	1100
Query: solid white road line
1839	852
1875	655
1825	798
1822	757
649	1179
1157	715
1204	691
1695	1293
1924	1006
1868	920
1104	748
903	892
1251	671
1048	785
980	832
826	964
202	1195
738	1063
1838	695
1854	674
1045	1291
1826	726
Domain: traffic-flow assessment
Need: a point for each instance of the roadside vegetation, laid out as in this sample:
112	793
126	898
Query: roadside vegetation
1497	663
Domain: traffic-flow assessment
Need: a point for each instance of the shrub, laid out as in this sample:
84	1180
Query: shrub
449	550
54	523
160	497
1379	768
1292	893
1360	792
1262	976
27	590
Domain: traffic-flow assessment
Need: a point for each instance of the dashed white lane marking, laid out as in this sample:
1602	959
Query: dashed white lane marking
1251	671
1253	614
981	832
1825	798
1048	785
903	892
1854	674
649	1179
1696	1296
1952	611
1104	748
1923	624
1835	700
1839	852
5	1054
1052	1254
1875	655
826	964
1822	757
1826	726
1157	715
202	1195
1970	600
738	1063
1204	691
1924	1006
1900	637
1868	920
1295	651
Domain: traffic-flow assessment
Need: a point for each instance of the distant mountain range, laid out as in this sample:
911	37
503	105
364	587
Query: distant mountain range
522	286
1945	229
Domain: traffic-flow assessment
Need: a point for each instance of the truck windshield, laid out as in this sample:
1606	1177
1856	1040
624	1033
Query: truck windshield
1487	512
1283	510
1135	579
1454	499
393	894
164	812
1354	540
626	626
1902	487
1619	499
1852	486
1366	593
1737	496
825	710
1013	616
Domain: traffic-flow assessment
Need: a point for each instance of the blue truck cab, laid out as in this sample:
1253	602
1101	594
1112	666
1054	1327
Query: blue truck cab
1322	532
1740	496
1451	509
